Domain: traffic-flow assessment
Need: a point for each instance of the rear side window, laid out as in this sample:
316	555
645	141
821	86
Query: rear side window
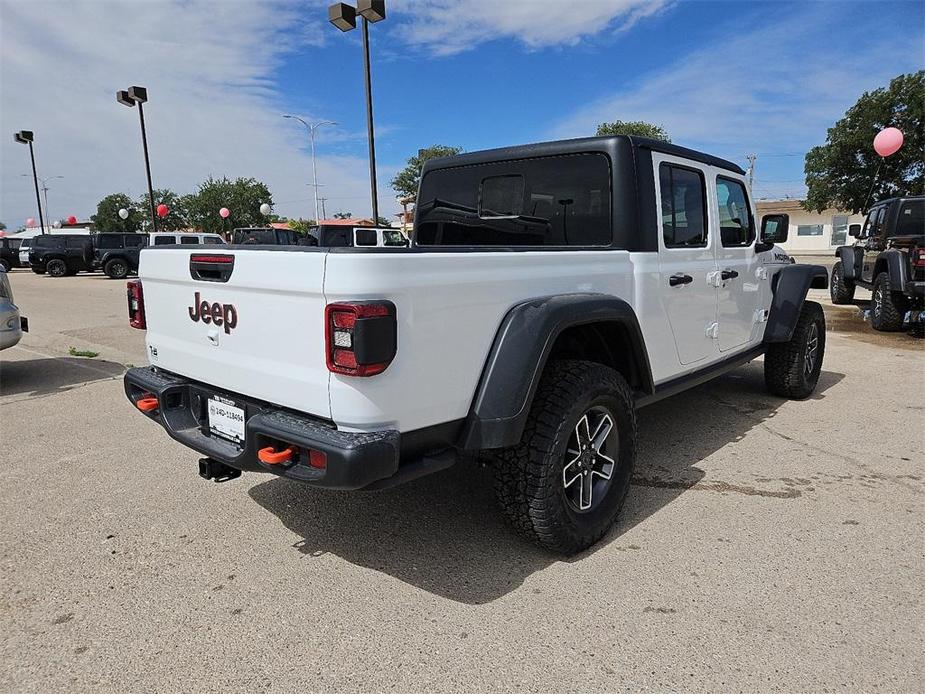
77	242
165	241
189	240
911	220
684	209
547	201
48	242
109	241
736	225
211	240
134	240
14	243
365	237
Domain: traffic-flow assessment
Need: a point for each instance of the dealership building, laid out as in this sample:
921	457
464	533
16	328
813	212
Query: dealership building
811	232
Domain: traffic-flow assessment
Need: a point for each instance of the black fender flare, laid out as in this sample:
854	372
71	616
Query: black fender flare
790	285
519	354
895	263
849	262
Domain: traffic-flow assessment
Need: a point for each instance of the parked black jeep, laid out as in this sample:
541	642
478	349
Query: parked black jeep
61	254
116	254
888	258
9	253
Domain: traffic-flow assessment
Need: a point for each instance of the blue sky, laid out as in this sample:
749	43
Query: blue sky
726	77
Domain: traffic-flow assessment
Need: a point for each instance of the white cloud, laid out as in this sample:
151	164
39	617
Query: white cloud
445	27
773	87
213	108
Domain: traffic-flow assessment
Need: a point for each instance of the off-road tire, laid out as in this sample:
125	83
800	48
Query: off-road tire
887	308
786	369
116	269
840	289
56	267
529	476
5	265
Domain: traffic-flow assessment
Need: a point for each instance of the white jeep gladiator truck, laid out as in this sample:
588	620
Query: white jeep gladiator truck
550	291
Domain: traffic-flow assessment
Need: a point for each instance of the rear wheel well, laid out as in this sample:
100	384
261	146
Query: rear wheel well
610	343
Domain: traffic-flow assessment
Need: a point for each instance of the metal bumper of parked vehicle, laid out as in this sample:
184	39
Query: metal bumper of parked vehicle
351	460
915	289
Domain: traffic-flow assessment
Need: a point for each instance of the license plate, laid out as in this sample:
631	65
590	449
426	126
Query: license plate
226	420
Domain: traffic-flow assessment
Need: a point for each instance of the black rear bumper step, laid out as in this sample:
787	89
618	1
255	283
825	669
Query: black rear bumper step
353	460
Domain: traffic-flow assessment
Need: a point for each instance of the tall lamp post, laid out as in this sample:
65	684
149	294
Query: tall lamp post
25	137
343	16
311	133
131	97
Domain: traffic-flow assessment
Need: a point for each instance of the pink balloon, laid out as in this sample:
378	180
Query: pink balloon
888	141
30	222
224	212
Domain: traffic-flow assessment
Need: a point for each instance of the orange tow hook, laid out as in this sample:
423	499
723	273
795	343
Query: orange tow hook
147	403
273	457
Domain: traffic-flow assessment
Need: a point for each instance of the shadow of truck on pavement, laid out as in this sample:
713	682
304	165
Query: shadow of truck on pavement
52	375
445	534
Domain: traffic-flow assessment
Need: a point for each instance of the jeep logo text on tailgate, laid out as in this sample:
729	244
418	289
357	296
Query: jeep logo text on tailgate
220	314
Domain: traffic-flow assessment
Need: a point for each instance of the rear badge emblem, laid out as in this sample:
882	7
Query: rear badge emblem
221	315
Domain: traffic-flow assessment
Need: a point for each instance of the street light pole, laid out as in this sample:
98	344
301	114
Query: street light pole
311	134
343	16
138	96
24	137
369	124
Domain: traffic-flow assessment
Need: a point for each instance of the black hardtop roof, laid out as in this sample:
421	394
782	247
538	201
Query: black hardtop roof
575	146
898	198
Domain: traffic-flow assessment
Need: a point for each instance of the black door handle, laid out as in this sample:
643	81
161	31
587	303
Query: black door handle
728	275
675	280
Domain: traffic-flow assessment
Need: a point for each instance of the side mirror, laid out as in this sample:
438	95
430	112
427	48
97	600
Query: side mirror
854	230
774	229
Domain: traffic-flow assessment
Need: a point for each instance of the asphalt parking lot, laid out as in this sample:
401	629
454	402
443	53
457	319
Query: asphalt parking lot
766	545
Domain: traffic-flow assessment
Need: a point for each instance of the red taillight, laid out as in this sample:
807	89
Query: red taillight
360	337
136	305
918	257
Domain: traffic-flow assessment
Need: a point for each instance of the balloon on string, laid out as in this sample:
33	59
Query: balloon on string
57	224
888	141
162	210
224	212
72	220
265	209
123	213
30	222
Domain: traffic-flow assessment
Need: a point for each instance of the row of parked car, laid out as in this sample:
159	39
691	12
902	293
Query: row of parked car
117	254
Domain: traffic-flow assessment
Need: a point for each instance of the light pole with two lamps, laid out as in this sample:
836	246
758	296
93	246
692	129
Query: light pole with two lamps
311	133
25	137
344	17
131	97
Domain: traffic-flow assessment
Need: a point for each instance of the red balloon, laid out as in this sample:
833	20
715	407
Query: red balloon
72	220
888	141
162	210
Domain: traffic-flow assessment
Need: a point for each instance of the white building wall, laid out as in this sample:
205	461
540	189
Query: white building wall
823	243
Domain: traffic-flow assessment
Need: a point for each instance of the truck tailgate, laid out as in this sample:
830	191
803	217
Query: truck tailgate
262	330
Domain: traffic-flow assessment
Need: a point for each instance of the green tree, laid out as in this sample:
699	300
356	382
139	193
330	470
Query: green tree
177	215
407	180
2	226
301	226
243	198
107	214
633	127
343	215
843	173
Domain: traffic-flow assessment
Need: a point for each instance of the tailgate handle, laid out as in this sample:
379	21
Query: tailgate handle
211	267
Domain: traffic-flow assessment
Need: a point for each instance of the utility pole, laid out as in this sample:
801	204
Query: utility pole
324	214
752	158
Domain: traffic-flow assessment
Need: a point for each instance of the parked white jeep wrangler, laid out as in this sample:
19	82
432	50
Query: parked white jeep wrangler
550	291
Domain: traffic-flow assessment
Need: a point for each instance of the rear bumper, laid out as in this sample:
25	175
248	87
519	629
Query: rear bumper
915	289
353	460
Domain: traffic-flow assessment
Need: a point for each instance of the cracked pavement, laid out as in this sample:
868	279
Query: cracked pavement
766	545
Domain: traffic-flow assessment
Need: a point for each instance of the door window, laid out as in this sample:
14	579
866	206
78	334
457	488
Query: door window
872	225
736	224
684	210
839	229
164	241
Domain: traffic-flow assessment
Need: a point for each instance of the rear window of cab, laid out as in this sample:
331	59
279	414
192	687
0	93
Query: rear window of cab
560	201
